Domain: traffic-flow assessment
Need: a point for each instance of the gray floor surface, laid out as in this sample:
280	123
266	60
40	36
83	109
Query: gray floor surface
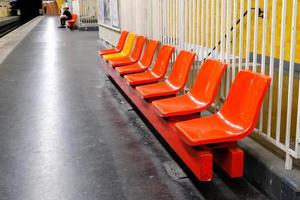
67	133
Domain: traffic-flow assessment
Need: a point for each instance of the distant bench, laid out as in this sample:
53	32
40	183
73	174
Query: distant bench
71	23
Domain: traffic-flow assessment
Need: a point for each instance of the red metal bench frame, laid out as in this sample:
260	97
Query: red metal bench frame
198	159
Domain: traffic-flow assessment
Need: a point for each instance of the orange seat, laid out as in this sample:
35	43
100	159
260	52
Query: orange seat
133	57
129	43
157	72
236	119
71	23
119	46
145	61
201	95
176	80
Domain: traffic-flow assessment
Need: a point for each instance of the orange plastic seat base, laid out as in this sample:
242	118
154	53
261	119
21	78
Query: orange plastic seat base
121	61
179	105
156	90
130	69
141	78
119	56
108	51
208	130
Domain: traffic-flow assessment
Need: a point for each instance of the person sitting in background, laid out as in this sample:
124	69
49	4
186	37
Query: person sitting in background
65	16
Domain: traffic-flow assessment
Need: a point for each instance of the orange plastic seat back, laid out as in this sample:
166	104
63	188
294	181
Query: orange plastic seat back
181	68
244	100
208	80
150	49
162	61
128	45
122	40
138	47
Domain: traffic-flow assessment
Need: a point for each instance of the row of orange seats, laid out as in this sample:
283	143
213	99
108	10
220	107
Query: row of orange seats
235	120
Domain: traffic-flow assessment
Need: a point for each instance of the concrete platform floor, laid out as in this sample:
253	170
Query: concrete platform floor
67	133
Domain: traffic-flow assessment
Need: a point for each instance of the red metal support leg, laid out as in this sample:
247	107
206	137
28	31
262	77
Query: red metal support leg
231	160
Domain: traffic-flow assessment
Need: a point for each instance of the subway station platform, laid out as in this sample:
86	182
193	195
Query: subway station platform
66	132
